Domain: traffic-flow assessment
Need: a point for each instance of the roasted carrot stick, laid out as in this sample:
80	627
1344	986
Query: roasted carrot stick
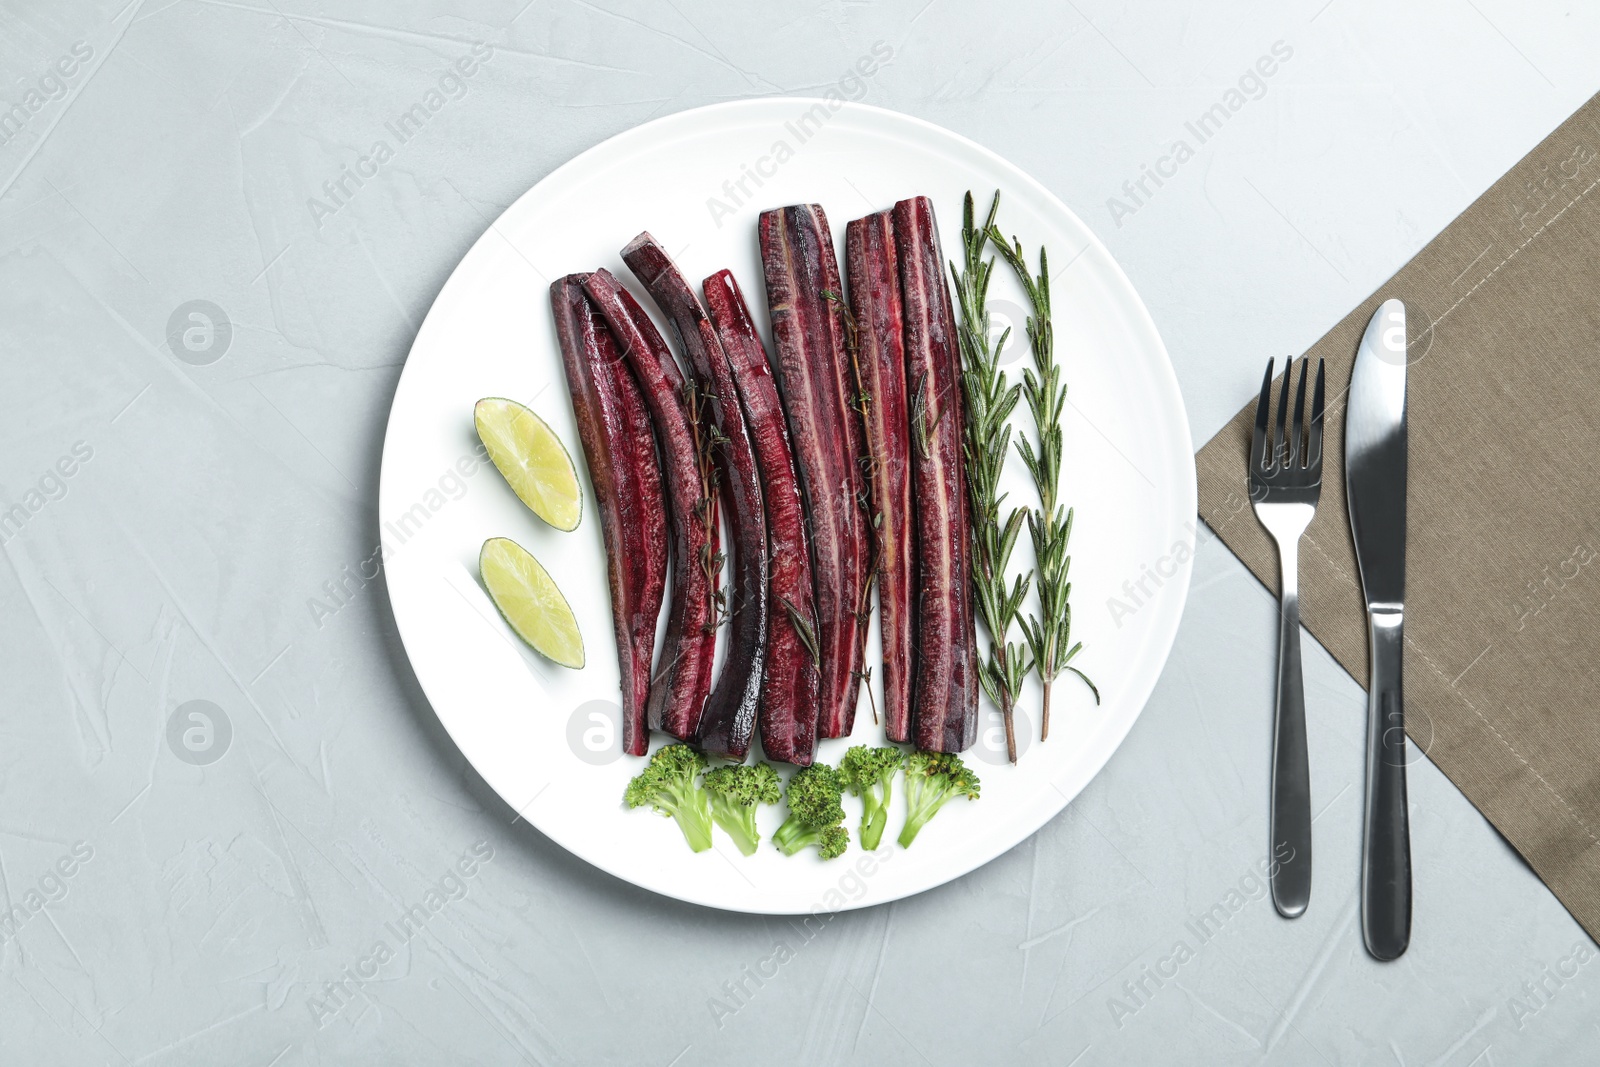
945	715
874	272
682	680
818	390
788	715
620	451
730	713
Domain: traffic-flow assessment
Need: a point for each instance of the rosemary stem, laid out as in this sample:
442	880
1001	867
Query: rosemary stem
1044	724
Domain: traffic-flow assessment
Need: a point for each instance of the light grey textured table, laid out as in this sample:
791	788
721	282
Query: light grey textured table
177	516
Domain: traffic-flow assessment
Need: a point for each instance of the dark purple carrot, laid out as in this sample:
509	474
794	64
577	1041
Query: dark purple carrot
730	715
874	272
682	679
945	713
708	503
619	450
788	716
818	389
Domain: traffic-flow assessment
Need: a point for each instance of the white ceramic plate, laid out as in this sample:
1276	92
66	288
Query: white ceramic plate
544	737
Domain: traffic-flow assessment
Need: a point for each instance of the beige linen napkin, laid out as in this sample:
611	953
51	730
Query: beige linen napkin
1502	667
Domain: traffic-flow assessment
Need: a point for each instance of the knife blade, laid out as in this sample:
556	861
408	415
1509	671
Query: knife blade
1375	449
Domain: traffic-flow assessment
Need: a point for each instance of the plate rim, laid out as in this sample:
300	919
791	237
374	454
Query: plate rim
1164	637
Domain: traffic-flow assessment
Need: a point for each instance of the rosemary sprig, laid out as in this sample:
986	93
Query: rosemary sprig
989	403
1049	634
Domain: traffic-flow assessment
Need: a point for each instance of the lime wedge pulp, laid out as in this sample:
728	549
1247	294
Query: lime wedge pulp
532	458
528	598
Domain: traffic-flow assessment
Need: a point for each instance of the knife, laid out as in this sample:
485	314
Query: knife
1375	484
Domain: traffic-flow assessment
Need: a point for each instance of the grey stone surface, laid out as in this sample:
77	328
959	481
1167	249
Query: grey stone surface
203	879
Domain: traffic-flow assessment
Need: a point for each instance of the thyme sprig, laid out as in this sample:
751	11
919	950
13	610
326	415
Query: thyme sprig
989	403
1049	634
706	437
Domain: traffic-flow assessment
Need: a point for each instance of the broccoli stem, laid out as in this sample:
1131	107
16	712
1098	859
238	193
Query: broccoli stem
874	815
738	821
793	836
831	840
909	833
693	816
922	804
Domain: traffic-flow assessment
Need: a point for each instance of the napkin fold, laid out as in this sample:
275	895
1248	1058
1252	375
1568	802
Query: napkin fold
1502	659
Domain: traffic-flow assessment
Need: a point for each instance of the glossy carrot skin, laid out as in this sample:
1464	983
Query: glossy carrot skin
788	709
817	385
620	452
873	267
682	680
729	720
945	711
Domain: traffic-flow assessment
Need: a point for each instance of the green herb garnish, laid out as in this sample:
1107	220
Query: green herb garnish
1049	633
989	403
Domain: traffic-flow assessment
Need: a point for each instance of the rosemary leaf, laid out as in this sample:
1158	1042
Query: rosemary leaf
802	626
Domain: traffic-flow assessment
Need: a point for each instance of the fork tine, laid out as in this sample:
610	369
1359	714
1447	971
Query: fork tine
1258	437
1314	441
1298	426
1279	445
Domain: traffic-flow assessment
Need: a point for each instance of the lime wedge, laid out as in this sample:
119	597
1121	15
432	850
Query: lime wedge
530	601
533	460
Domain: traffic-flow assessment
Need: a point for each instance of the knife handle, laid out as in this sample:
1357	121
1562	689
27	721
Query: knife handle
1291	767
1386	848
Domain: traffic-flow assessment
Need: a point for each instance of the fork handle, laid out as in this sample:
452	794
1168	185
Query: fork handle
1386	847
1291	769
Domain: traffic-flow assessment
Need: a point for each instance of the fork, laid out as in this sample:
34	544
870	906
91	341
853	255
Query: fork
1285	482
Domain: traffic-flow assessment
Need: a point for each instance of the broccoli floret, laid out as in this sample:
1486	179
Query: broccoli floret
869	774
670	786
931	779
815	813
736	792
832	842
